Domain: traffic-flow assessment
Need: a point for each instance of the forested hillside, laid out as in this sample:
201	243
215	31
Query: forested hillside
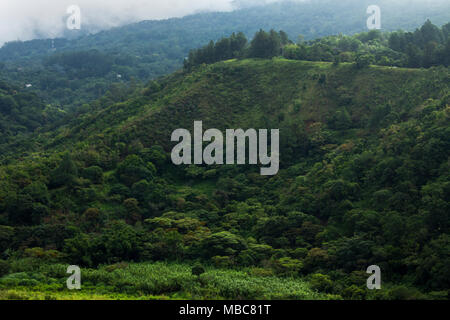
65	73
21	113
426	47
70	80
364	180
86	176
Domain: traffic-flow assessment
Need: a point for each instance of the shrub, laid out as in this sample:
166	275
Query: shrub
197	269
222	262
4	268
44	255
117	266
353	292
405	293
287	266
94	173
321	282
261	272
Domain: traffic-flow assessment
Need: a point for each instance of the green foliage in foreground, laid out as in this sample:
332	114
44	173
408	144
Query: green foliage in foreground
153	281
163	281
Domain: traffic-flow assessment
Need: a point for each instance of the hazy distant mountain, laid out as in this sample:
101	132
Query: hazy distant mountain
312	19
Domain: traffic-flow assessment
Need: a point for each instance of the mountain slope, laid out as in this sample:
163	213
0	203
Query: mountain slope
364	178
255	93
70	73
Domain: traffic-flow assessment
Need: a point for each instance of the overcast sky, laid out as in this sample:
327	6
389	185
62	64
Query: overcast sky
28	19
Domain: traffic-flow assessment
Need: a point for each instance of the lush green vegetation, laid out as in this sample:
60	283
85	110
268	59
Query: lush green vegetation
21	113
426	47
364	180
86	177
82	76
151	281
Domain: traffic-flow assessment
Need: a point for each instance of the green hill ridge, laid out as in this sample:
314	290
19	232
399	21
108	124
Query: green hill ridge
364	180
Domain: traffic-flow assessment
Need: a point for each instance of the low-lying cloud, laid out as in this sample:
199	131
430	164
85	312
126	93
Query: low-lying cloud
25	19
30	19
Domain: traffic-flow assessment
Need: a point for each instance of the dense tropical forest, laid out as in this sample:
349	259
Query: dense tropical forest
364	175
